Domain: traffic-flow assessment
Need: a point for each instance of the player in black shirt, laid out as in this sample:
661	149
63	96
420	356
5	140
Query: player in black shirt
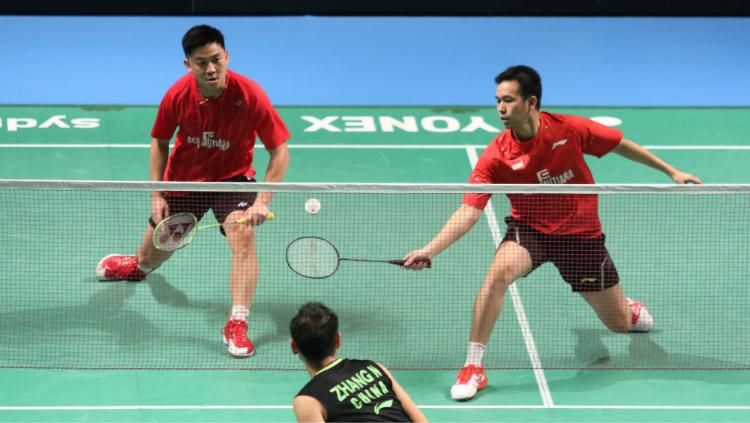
343	389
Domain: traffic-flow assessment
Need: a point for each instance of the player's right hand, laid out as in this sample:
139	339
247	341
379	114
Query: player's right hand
159	208
257	213
417	259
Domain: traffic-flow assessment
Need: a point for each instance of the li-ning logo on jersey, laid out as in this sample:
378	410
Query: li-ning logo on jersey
208	141
559	143
545	178
381	405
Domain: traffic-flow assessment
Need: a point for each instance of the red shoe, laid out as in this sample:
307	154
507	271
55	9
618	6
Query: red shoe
235	336
470	379
119	268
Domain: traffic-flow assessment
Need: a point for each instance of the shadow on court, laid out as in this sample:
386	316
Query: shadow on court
152	324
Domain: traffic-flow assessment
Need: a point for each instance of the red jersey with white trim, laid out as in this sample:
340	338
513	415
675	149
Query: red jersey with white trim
553	156
216	137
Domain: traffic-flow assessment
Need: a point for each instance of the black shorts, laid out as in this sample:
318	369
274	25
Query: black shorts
220	203
584	263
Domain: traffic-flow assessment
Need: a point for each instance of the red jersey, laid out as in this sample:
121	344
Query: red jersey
553	156
216	137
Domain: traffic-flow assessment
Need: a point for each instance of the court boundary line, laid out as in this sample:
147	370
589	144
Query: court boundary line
523	322
425	407
365	146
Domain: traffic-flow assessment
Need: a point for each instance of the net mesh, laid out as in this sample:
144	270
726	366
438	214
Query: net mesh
681	251
174	232
312	257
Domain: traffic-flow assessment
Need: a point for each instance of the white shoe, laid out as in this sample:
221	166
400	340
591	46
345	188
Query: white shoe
641	319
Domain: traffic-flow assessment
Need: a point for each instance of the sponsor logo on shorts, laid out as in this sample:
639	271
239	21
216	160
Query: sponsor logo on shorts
243	204
588	280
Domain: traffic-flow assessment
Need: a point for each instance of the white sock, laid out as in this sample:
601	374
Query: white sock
475	354
240	312
141	268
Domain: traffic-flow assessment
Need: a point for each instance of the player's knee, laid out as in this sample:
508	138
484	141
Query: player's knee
239	233
500	279
241	238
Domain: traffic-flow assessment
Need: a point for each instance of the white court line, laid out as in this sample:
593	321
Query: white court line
433	407
592	407
523	322
372	146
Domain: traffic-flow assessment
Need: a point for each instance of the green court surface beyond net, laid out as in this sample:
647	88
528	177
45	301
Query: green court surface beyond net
683	254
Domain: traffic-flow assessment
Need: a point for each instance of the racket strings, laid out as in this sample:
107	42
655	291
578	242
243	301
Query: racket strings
312	257
174	232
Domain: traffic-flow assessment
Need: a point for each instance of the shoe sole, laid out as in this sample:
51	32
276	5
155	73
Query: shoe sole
462	399
233	351
466	398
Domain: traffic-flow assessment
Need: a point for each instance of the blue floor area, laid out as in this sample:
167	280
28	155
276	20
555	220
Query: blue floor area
386	61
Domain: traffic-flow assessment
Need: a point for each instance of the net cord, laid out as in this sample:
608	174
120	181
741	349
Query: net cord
405	188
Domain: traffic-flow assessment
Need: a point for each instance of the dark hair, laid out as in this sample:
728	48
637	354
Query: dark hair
199	36
527	78
314	330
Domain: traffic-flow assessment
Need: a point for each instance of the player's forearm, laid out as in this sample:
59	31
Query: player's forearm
307	409
158	160
416	415
278	163
307	415
639	154
411	409
460	222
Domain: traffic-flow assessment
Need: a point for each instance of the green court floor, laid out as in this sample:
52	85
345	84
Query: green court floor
373	144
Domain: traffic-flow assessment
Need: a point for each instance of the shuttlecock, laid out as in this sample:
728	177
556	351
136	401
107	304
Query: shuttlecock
312	205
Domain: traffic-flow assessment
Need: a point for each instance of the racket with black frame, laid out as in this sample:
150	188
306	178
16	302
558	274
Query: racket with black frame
318	258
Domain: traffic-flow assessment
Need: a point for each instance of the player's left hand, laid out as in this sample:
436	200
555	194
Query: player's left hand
685	178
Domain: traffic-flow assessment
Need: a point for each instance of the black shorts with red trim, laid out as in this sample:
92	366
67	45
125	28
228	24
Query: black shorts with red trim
584	263
220	203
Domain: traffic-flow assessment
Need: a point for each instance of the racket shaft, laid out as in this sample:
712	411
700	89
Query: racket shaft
394	262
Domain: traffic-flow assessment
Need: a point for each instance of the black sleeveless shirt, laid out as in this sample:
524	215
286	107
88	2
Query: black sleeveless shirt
355	391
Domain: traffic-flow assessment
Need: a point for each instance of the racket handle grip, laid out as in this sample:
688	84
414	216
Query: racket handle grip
401	262
270	217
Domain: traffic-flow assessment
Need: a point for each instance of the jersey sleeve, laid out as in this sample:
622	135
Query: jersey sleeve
166	119
271	128
597	139
483	173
